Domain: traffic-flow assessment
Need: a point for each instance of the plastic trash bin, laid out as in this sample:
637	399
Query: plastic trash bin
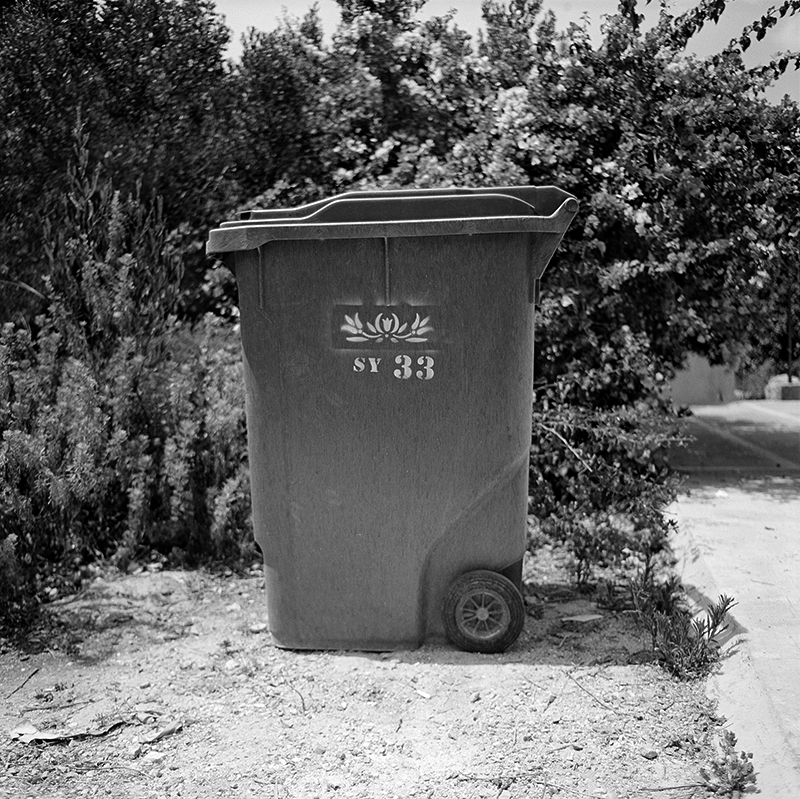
388	352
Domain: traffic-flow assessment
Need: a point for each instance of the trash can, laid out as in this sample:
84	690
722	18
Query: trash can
388	352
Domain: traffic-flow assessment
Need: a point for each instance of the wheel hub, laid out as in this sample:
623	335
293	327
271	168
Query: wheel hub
483	612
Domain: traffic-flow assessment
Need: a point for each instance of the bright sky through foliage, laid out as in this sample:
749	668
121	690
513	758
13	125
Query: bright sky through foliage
263	15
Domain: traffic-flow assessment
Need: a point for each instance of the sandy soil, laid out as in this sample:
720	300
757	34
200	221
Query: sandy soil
166	684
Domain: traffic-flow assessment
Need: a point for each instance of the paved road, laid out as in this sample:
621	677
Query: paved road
739	522
748	437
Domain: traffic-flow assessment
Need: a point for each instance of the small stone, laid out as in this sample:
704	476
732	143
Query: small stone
475	697
260	627
650	754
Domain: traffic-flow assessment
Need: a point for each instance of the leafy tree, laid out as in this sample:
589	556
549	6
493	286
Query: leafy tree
145	78
280	128
665	153
165	101
507	44
776	283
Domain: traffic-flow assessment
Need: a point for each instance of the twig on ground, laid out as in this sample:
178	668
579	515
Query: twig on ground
22	684
553	697
571	745
109	767
419	691
64	706
559	748
302	700
505	782
528	679
599	701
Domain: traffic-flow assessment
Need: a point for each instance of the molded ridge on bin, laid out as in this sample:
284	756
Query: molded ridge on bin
387	340
423	212
545	199
409	209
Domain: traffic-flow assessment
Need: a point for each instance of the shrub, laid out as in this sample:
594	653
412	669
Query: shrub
121	428
9	571
686	645
600	482
729	774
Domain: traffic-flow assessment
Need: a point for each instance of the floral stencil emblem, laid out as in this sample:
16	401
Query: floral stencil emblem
387	327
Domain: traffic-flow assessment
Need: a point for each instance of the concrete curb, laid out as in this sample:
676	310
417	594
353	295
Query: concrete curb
739	689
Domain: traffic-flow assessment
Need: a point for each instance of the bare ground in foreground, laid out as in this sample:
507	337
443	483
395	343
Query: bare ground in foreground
166	683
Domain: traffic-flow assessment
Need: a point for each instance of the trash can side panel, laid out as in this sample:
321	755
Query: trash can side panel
345	502
486	418
265	403
485	363
275	308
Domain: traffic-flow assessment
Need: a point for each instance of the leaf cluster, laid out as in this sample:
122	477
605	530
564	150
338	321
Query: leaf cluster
686	645
599	482
730	772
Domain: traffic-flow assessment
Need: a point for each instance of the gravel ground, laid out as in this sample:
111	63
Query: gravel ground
165	683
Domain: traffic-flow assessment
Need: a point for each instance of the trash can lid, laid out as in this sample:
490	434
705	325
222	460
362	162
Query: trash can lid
416	212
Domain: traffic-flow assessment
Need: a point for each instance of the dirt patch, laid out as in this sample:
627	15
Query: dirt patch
167	684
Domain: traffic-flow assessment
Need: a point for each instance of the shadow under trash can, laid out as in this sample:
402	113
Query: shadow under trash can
388	353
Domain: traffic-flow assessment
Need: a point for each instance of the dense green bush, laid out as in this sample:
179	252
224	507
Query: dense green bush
121	428
600	484
600	479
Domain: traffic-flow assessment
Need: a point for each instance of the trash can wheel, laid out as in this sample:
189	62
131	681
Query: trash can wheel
483	612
